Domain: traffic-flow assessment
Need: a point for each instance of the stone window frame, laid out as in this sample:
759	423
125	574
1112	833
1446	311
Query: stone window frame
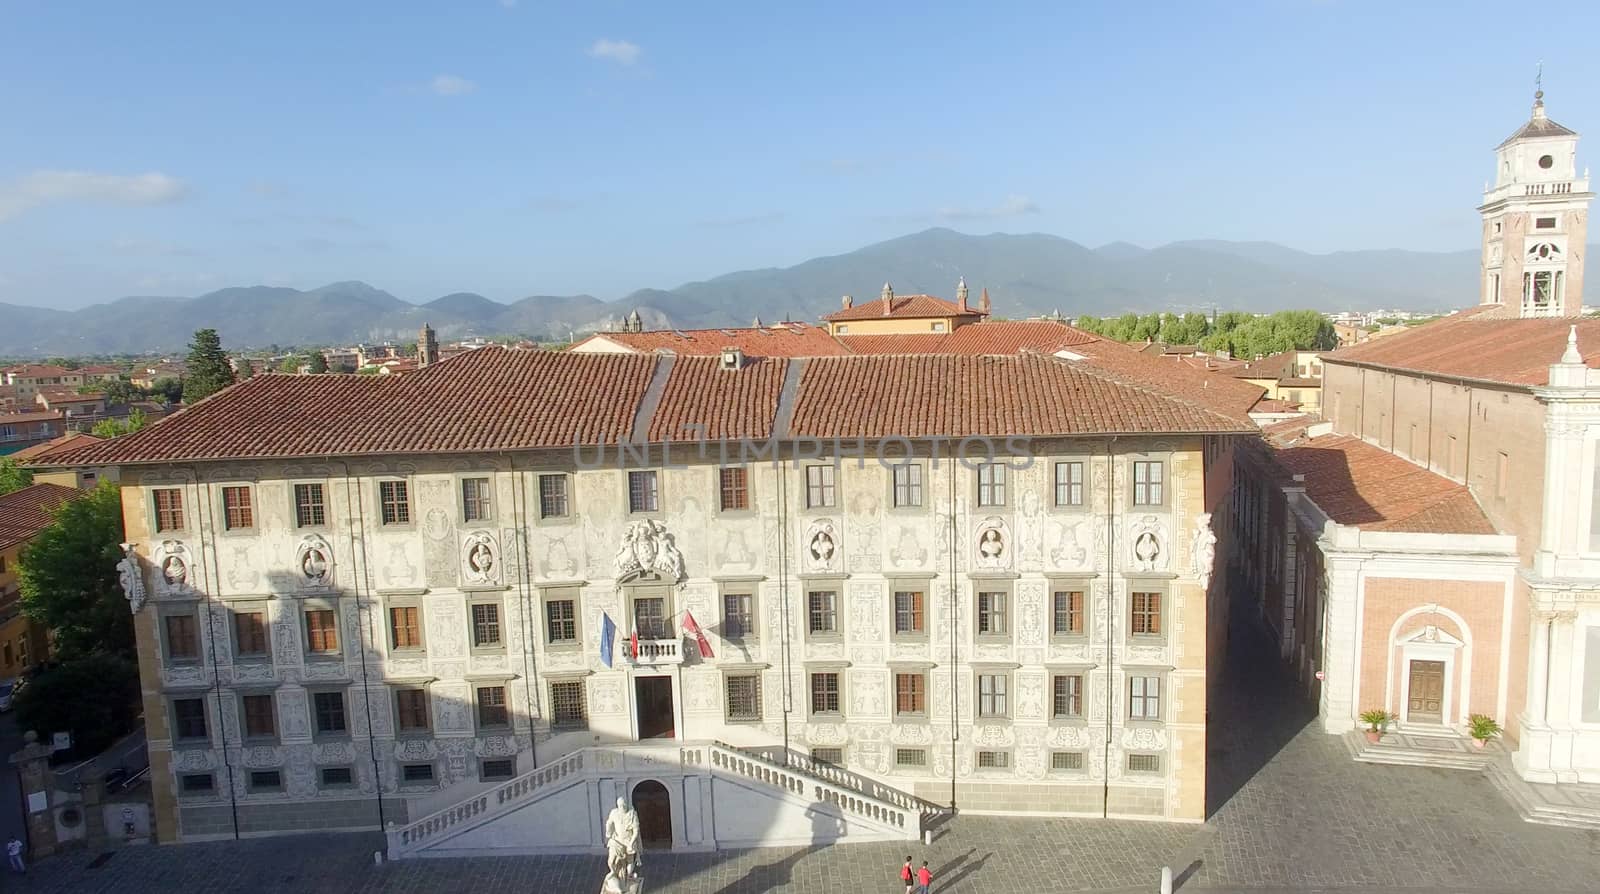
324	785
1084	671
982	586
423	686
841	670
1006	671
206	713
827	485
993	486
405	600
910	765
1156	583
191	609
566	592
246	738
484	762
329	603
749	508
255	788
220	507
294	504
660	492
261	606
317	733
477	682
416	785
652	588
1162	674
1005	766
1163	461
923	669
1086	463
923	487
823	583
210	791
410	521
488	477
739	586
569	482
474	598
1069	583
911	583
1080	769
1158	757
580	678
184	510
743	671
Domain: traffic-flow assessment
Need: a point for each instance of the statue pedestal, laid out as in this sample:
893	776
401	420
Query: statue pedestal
613	886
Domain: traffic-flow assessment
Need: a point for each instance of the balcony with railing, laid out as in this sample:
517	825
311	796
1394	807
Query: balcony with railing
656	652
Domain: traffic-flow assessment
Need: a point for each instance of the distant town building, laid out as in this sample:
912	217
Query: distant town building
28	378
38	456
29	427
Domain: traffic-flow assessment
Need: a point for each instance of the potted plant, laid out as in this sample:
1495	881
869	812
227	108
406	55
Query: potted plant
1482	728
1375	720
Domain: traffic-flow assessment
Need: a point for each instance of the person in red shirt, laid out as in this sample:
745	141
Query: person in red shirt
909	876
924	878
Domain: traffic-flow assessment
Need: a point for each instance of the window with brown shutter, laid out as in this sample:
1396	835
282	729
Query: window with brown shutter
405	627
1146	618
258	719
183	643
910	694
250	633
169	509
322	631
238	513
394	503
412	706
492	706
735	491
1067	613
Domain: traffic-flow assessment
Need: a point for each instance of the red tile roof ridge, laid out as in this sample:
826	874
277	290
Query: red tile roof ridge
1129	381
26	512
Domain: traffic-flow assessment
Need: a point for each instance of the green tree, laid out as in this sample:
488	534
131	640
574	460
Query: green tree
209	370
290	364
316	363
94	697
169	390
1090	324
69	577
120	391
12	476
111	428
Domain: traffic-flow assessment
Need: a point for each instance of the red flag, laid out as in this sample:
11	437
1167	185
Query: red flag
633	643
699	635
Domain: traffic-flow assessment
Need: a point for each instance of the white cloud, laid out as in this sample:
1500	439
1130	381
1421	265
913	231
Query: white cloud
54	187
451	85
622	52
1013	206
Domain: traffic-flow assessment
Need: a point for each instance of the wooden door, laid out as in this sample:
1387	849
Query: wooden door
654	806
1425	701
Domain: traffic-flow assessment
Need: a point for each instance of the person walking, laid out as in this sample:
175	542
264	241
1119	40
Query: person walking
924	879
909	876
14	851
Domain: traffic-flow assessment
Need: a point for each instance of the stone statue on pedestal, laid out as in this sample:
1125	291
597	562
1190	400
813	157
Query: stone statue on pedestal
622	851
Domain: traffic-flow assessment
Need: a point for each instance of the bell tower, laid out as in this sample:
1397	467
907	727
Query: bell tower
1535	222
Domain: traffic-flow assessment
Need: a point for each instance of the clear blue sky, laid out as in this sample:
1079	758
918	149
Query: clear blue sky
516	148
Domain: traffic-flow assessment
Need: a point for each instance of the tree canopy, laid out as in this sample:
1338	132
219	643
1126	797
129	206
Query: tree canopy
12	476
111	428
69	577
1241	334
209	370
94	697
316	363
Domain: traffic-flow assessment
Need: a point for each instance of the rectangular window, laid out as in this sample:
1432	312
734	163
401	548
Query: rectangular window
259	721
561	621
169	509
1544	223
991	614
907	485
992	484
910	757
1145	614
994	760
1144	763
1451	468
337	777
394	502
1148	483
475	499
329	708
183	640
485	625
1066	692
1066	613
910	694
322	631
819	487
1144	698
198	783
405	627
1415	444
492	706
831	756
412	707
1069	484
416	772
567	705
1066	760
189	717
738	619
1502	471
821	612
238	513
650	617
266	780
250	633
908	612
644	493
735	489
825	693
497	768
992	695
553	496
309	508
744	697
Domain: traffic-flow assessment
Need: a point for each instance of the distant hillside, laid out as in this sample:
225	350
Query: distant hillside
1025	275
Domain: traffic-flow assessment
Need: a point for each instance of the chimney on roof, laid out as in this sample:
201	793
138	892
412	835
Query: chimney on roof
887	297
844	303
983	301
732	358
961	295
427	347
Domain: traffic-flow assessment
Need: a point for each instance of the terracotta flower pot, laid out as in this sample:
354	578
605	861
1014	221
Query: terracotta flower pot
1373	736
1479	743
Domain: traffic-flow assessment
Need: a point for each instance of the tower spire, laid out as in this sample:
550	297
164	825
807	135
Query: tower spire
1538	91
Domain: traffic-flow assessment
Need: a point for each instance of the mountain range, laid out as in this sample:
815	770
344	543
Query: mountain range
1026	275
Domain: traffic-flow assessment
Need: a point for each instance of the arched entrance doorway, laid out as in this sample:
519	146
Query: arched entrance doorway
654	806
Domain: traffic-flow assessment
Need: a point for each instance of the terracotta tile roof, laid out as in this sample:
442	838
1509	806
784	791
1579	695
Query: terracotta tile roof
781	340
72	440
1223	394
1299	383
903	307
1271	405
1479	345
1370	488
101	369
67	395
997	337
28	416
1272	366
24	513
38	370
500	399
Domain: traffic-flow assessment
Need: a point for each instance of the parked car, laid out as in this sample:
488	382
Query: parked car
7	688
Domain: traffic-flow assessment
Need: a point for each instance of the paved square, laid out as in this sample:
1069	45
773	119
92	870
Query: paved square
1296	814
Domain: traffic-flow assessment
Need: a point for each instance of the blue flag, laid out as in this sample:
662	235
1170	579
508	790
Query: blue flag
608	637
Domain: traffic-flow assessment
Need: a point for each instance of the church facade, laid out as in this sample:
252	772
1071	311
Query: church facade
983	582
